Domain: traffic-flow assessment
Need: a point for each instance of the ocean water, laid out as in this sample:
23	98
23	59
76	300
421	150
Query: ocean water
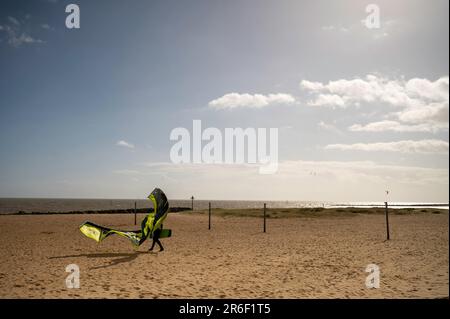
14	205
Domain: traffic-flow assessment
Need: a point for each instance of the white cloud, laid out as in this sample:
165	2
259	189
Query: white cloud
431	118
421	102
45	26
24	38
15	36
358	90
413	93
434	113
423	88
332	180
331	100
235	100
408	146
313	86
395	126
124	144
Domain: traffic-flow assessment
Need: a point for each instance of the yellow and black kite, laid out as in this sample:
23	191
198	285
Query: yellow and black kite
149	224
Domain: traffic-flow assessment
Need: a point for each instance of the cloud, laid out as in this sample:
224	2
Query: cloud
15	36
359	90
331	100
45	26
236	100
332	180
413	93
431	118
418	104
312	86
436	91
24	38
295	170
433	113
395	126
124	144
408	146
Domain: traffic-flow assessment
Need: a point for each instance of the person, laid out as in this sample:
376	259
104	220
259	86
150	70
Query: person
152	224
156	240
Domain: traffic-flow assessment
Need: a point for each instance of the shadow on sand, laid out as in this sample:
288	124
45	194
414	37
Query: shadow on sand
117	258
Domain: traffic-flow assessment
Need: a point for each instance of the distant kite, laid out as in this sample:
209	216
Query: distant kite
149	224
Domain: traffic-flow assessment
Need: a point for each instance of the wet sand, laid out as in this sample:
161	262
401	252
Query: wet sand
319	257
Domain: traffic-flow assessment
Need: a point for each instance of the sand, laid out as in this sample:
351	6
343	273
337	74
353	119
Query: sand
321	257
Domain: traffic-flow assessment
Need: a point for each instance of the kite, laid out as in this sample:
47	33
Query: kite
152	222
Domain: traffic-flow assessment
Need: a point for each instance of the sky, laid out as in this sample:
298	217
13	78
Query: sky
88	112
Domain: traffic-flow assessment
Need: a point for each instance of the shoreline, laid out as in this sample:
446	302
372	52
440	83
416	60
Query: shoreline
95	212
24	205
256	212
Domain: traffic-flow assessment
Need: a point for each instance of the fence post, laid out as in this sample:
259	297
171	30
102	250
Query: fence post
264	217
387	219
209	216
135	213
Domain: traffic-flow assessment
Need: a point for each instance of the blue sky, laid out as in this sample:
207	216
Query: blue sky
368	108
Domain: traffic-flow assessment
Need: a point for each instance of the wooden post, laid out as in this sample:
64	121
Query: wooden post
135	213
209	216
264	217
387	219
192	203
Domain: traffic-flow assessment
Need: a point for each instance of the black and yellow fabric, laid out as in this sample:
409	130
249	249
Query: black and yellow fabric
154	220
98	233
149	224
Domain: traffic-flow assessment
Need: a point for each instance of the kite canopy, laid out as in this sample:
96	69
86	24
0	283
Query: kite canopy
154	220
160	202
150	223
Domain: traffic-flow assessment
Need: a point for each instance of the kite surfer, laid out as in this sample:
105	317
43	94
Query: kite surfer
151	225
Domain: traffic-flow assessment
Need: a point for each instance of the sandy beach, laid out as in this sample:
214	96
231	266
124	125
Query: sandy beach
307	257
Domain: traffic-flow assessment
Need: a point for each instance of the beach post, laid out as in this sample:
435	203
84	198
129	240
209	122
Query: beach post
209	215
387	219
264	227
135	213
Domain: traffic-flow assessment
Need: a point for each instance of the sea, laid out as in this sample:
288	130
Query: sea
62	205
